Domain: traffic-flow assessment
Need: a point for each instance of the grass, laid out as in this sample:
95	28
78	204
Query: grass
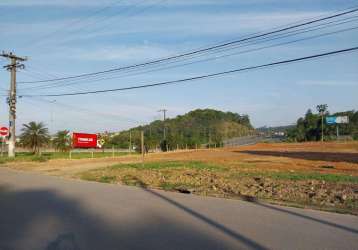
107	179
168	165
58	155
301	176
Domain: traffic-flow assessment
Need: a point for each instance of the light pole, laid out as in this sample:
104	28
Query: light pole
164	118
322	108
51	117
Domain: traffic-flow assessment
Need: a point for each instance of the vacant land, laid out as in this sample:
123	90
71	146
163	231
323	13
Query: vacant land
318	175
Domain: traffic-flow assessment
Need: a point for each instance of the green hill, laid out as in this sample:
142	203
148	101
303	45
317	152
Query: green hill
197	127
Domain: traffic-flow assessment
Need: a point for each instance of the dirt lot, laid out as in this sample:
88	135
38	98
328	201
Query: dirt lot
318	175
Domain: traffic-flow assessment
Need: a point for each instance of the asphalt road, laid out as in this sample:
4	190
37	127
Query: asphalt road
43	212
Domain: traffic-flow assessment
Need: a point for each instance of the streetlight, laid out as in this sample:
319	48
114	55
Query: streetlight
322	108
51	118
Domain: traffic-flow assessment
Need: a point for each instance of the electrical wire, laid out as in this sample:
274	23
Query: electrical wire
69	83
198	51
202	76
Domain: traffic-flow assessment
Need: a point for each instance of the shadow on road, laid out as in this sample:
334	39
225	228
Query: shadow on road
251	199
246	241
313	156
230	233
43	219
306	217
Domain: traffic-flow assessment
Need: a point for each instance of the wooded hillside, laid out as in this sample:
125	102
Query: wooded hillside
197	127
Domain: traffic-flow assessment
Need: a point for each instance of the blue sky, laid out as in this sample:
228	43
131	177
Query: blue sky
61	38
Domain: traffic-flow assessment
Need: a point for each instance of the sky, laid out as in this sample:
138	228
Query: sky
70	37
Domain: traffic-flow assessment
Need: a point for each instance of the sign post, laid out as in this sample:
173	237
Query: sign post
2	146
336	120
4	131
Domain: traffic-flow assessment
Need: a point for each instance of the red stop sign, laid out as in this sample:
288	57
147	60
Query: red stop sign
4	131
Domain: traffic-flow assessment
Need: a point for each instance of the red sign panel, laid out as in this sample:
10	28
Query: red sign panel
81	140
4	131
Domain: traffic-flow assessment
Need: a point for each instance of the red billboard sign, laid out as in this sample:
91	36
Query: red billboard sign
81	140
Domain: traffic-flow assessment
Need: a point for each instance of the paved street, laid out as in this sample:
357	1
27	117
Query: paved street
43	212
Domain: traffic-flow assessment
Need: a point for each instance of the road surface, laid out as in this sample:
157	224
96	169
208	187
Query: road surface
44	212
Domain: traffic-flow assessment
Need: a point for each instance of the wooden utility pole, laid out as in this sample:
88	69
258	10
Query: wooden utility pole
130	142
12	67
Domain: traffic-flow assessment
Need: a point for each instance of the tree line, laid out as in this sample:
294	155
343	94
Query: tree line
311	126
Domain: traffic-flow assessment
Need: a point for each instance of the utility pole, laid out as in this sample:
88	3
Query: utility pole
164	118
12	67
130	141
142	145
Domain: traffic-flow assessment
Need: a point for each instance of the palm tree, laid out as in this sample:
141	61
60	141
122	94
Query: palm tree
62	140
34	135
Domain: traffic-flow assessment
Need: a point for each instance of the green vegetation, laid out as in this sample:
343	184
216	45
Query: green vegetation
107	179
308	128
194	128
169	165
58	155
300	176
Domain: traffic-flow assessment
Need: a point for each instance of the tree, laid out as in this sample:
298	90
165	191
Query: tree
62	141
34	135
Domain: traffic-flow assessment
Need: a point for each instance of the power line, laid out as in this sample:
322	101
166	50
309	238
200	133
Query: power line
198	51
248	43
73	82
203	76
